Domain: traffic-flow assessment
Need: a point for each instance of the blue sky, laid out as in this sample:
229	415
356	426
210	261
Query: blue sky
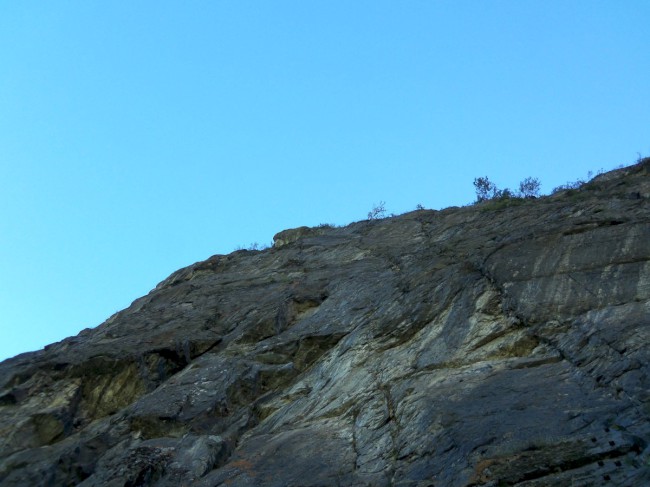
139	137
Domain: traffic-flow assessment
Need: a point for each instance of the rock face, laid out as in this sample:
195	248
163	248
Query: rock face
506	343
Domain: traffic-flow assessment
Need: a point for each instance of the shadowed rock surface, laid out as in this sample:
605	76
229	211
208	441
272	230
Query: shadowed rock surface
505	343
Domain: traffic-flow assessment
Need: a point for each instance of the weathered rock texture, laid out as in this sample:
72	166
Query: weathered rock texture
505	343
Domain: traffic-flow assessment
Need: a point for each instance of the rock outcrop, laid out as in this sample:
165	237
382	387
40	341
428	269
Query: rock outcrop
505	343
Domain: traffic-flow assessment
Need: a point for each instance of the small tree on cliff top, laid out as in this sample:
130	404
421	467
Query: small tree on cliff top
529	188
485	189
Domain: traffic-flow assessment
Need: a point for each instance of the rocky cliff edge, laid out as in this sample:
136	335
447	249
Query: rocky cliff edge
496	344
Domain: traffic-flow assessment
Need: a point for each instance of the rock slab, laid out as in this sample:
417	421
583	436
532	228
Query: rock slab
497	344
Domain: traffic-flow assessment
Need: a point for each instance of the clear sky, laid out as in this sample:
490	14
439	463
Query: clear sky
139	137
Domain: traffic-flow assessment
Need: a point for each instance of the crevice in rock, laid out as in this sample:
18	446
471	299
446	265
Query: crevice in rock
581	227
8	399
255	390
311	348
290	311
540	461
295	309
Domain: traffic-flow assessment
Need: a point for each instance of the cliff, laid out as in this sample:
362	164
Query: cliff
505	343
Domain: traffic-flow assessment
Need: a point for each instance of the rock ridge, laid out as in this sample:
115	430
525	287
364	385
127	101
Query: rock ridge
494	344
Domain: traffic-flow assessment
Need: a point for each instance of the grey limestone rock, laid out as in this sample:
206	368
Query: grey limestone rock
497	344
294	234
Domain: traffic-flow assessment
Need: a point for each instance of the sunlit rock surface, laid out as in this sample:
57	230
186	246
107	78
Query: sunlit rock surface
497	344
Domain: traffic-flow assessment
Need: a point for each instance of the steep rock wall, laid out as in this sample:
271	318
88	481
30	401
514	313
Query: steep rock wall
486	345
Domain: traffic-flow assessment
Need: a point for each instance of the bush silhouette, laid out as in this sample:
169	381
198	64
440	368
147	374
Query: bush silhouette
486	190
378	211
529	188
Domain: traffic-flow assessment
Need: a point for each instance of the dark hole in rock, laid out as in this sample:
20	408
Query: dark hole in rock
8	399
